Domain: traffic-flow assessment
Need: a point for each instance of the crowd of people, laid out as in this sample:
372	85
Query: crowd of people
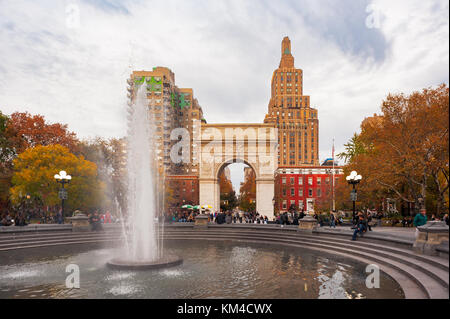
218	217
23	217
229	217
18	220
39	216
185	216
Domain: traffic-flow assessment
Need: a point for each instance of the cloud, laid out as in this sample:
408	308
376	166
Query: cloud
73	69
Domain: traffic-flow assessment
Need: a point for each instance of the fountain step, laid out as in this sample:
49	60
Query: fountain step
436	261
432	287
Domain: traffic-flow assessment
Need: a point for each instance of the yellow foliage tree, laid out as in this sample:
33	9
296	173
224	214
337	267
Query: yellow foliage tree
34	171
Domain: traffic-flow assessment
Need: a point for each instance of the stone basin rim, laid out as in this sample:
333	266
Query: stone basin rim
164	262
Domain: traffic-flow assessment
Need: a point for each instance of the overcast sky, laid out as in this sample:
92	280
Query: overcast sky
69	60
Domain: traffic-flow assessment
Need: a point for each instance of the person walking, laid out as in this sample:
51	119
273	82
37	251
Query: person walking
332	220
368	220
59	216
379	217
108	217
420	220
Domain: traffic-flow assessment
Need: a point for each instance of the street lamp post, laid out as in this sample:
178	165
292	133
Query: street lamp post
353	179
27	206
63	179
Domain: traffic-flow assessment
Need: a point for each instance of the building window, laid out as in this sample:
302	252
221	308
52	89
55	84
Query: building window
283	180
284	204
292	192
300	181
318	180
310	181
319	192
310	192
300	192
292	181
284	191
327	180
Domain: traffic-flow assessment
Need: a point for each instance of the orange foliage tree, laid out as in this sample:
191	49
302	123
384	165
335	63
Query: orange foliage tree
247	191
26	130
405	149
227	194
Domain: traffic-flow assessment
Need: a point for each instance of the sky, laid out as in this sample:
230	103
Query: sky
69	60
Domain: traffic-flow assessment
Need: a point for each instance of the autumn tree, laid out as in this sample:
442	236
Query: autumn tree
34	171
26	130
6	156
405	153
6	146
247	198
110	158
224	183
228	199
119	171
21	131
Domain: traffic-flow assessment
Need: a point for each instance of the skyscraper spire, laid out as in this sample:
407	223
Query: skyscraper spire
287	60
297	122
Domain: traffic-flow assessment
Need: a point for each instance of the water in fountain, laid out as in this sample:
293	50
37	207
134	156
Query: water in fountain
143	244
143	241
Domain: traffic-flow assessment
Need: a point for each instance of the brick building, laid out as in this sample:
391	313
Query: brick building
303	186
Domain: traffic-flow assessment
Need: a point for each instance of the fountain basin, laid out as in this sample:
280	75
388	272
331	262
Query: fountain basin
164	262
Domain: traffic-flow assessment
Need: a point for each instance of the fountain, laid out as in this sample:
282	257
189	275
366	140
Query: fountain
142	240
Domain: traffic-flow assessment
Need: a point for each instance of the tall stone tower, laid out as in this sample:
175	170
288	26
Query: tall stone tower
297	121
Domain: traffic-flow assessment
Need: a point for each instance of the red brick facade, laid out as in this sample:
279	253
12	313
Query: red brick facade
303	186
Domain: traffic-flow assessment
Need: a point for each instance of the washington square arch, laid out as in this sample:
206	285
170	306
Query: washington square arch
219	145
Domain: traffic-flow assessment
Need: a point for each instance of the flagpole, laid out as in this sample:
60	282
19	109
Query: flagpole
333	178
